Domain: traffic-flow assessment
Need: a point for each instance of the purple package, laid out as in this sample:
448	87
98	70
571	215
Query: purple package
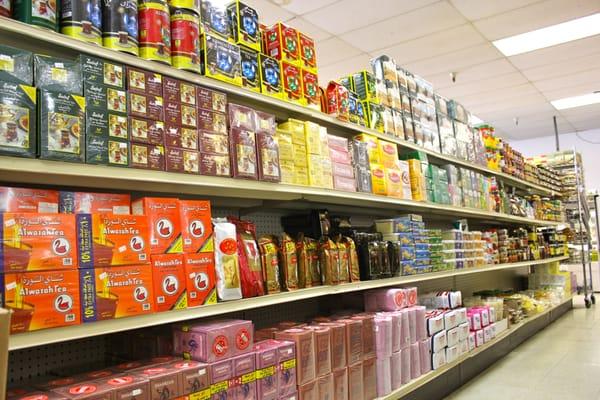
243	368
405	329
384	376
221	371
267	360
425	355
412	324
383	336
287	368
415	360
241	117
420	324
395	363
405	365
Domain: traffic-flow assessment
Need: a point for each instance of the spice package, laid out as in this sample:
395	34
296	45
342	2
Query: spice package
164	222
28	200
244	25
220	59
270	76
250	70
120	25
154	31
18	120
344	261
329	262
289	262
243	153
196	226
185	33
226	261
82	20
16	65
310	90
42	14
116	292
305	352
57	74
249	256
87	203
281	42
270	263
42	299
168	277
62	125
200	279
292	82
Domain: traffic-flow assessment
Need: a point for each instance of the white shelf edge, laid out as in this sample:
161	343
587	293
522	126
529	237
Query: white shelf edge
63	334
62	41
428	377
43	172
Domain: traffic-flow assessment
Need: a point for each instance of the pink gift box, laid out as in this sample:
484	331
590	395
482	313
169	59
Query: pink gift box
338	344
222	371
368	333
308	391
287	369
396	329
267	355
305	354
396	368
425	355
405	329
325	387
370	378
415	360
384	376
420	324
412	324
383	336
390	299
405	365
355	381
322	349
411	296
243	365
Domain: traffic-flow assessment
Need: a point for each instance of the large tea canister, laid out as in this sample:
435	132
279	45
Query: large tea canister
120	25
155	31
82	19
185	32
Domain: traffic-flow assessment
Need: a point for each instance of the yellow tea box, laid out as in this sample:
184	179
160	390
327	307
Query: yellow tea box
296	128
378	181
300	155
393	179
286	147
301	175
288	171
312	135
388	153
315	170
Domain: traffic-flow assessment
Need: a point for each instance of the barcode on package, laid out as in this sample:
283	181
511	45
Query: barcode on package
160	299
142	257
67	261
146	306
69	317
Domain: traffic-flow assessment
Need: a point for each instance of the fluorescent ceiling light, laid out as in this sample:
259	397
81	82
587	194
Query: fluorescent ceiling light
550	36
576	101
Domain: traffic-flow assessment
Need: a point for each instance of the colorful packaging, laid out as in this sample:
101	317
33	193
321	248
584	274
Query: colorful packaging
18	117
270	76
281	42
250	69
116	292
267	361
164	221
147	156
120	25
41	299
102	72
87	203
44	14
162	379
215	19
243	152
289	262
337	101
378	181
287	368
17	64
308	53
144	82
243	383
226	261
175	90
143	130
292	82
82	20
329	262
394	185
249	256
323	349
268	157
211	100
310	89
244	25
196	226
106	151
215	164
180	160
146	106
26	200
194	378
168	277
354	340
355	381
57	74
185	32
154	31
305	352
270	263
200	279
368	334
220	59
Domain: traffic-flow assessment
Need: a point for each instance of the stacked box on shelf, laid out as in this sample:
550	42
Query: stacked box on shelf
343	171
286	155
383	114
436	253
455	195
242	142
492	147
362	167
402	232
427	117
437	185
418	165
368	153
298	165
445	127
321	170
212	132
491	251
421	238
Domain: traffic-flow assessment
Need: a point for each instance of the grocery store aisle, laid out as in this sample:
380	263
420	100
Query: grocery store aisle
561	362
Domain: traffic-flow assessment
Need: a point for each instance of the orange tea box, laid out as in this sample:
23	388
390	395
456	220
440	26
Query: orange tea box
116	292
163	222
168	278
196	226
108	239
37	242
28	200
200	279
42	299
84	202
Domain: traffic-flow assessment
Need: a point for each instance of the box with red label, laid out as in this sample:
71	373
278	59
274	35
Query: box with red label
28	200
181	160
196	226
116	292
292	82
211	100
168	278
215	164
388	154
243	383
164	223
147	156
179	91
308	53
42	299
84	390
146	106
337	101
310	90
108	239
85	202
36	242
129	386
243	153
182	137
200	279
305	352
281	42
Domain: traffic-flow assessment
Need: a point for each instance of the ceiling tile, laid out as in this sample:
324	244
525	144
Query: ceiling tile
268	12
343	68
423	21
530	100
435	44
308	28
581	113
473	73
569	91
593	123
332	50
348	15
554	54
498	95
477	9
535	16
455	60
538	129
520	111
303	6
496	82
526	119
573	65
591	77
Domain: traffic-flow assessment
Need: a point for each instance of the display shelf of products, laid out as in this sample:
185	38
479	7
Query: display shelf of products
41	172
55	335
424	379
23	35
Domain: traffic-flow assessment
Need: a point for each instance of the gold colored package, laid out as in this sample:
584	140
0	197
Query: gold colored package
344	265
289	262
314	267
270	263
329	261
354	267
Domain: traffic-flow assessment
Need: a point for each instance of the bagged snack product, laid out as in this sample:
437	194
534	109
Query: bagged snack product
314	268
270	263
289	262
250	262
344	261
226	260
353	265
304	277
329	262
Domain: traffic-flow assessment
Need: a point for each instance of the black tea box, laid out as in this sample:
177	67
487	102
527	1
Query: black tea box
106	123
107	151
16	65
57	74
62	126
102	97
18	120
97	70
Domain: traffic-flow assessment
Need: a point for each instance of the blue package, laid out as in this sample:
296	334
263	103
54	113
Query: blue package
407	268
422	246
407	253
420	254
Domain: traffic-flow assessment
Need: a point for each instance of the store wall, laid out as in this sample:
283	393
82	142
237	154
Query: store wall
587	143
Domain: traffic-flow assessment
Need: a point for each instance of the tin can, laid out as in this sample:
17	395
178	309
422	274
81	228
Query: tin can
185	31
155	31
5	8
82	19
43	13
192	5
120	25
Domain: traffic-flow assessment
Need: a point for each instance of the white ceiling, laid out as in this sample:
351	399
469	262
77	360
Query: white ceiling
433	38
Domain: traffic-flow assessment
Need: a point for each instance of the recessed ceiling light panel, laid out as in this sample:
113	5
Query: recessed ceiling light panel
577	101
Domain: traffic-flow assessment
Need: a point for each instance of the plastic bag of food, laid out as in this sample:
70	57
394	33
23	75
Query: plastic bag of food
329	261
289	262
344	261
312	249
270	263
226	260
250	262
304	276
352	259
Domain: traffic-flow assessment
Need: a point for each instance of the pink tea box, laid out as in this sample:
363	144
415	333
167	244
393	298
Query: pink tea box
425	355
286	370
266	353
322	349
384	376
415	360
396	368
370	378
405	355
221	373
243	383
325	387
368	334
338	344
340	384
439	341
305	353
383	336
354	340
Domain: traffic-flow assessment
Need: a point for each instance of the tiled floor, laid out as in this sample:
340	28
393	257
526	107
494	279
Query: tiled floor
562	362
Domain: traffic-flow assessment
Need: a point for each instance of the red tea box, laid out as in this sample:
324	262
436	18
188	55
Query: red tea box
308	53
163	380
281	42
211	100
287	368
213	143
116	292
292	82
325	387
182	137
267	361
107	240
310	90
42	299
370	378
241	117
212	121
221	373
168	278
340	384
264	122
163	221
28	200
305	352
194	378
85	202
368	334
147	156
243	153
200	278
145	82
338	344
196	226
142	130
337	101
146	106
215	164
308	391
268	157
355	382
180	160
